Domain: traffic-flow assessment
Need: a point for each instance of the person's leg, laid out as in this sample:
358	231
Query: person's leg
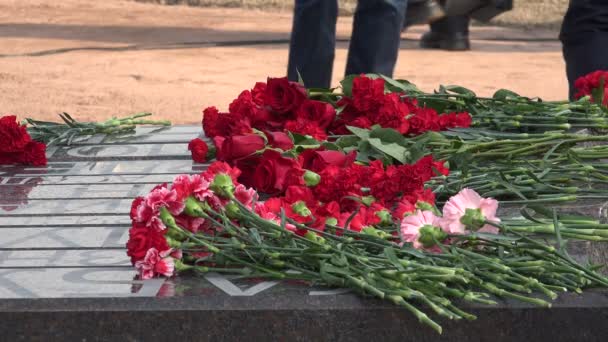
313	40
450	33
584	37
584	55
376	37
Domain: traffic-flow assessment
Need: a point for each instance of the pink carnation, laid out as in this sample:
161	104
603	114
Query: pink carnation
164	197
412	224
455	209
156	263
245	195
148	210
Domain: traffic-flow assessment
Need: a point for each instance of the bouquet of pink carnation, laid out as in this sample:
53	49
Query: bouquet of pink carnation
401	250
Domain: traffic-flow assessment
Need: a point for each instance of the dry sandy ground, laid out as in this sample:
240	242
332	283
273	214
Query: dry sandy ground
176	81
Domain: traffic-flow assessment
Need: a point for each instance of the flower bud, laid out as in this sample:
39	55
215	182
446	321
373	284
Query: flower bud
301	209
312	236
222	185
473	219
385	216
167	218
232	210
430	234
332	221
193	207
368	200
180	266
311	178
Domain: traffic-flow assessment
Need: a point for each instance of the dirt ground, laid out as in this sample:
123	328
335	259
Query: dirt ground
116	57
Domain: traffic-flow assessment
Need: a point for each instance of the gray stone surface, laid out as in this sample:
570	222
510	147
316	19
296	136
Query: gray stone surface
64	274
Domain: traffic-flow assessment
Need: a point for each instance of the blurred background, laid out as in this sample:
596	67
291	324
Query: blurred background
95	59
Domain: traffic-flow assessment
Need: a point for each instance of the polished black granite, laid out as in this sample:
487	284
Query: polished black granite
64	274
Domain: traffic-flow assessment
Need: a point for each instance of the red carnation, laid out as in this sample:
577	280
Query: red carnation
258	93
221	167
425	119
211	122
34	154
320	112
306	128
392	114
245	107
284	96
199	150
134	205
141	239
14	137
586	84
368	93
301	193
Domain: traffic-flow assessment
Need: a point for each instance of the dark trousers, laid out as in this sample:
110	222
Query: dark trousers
585	55
373	48
584	37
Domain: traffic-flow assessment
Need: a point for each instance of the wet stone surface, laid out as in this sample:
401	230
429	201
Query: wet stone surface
64	272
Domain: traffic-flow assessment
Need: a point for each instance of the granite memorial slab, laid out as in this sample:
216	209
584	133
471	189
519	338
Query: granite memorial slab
64	273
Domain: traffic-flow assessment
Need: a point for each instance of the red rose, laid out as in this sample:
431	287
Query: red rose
368	94
271	173
14	137
284	96
247	166
199	150
240	146
320	112
141	239
279	140
318	160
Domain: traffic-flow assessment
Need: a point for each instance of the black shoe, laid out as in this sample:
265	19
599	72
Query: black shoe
454	41
422	12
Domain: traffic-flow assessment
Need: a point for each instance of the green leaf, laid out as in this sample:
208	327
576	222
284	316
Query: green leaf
331	146
460	90
390	254
598	93
397	86
300	79
503	94
388	135
303	140
347	85
347	141
392	149
255	235
360	132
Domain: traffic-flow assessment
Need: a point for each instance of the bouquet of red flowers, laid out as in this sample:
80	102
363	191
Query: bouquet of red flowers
400	249
17	145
